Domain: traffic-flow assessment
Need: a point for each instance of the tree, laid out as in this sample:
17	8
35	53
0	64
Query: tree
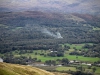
94	69
80	73
65	61
50	62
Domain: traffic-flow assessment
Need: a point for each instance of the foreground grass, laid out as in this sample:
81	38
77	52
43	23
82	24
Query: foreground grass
15	69
12	69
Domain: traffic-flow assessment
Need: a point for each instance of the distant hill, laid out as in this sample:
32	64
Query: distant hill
34	30
63	6
15	69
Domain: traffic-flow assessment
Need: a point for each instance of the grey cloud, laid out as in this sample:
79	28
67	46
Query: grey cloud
52	5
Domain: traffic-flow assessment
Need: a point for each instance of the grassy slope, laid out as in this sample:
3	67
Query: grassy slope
13	69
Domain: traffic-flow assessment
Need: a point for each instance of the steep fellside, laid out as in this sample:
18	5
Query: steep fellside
13	69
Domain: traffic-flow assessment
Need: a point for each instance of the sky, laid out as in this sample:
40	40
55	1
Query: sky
32	3
61	5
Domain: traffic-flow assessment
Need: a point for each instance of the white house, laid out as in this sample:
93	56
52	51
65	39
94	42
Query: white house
1	60
89	64
71	61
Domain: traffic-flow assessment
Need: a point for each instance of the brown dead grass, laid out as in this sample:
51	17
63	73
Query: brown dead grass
13	69
16	69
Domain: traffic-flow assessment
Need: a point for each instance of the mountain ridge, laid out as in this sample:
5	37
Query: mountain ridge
63	6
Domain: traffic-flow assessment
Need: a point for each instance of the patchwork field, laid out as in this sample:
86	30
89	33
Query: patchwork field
70	57
36	54
43	58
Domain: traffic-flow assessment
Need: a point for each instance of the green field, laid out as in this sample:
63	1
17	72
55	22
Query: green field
66	55
98	70
65	68
4	26
97	28
62	68
17	28
81	58
77	46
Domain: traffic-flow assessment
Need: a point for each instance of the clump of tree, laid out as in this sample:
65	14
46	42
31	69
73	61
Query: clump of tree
81	73
56	54
97	63
63	62
50	62
9	58
93	51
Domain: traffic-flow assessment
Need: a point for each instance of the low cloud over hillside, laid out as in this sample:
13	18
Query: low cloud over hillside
80	6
